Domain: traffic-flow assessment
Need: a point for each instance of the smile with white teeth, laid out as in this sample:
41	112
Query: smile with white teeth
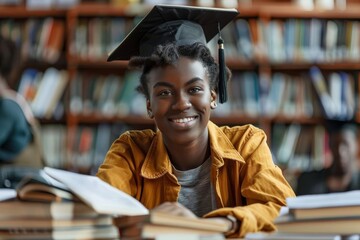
183	120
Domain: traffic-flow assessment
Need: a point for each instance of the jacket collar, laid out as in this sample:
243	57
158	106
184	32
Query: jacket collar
157	161
221	146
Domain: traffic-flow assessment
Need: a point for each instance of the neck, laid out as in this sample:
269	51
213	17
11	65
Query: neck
189	156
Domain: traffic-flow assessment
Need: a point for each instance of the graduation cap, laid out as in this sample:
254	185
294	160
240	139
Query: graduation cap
180	24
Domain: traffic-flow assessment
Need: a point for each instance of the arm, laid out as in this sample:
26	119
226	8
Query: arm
117	169
258	181
16	133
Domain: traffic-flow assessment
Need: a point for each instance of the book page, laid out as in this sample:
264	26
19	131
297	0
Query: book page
7	194
103	197
290	236
350	198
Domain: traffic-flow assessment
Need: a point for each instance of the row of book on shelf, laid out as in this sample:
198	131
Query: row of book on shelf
37	38
58	204
308	94
300	147
110	95
106	96
95	37
295	40
305	40
295	147
82	148
44	91
313	94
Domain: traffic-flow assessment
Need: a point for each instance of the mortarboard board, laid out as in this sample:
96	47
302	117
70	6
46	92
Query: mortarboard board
179	24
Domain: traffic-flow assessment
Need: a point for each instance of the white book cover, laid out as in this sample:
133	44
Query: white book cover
45	91
98	194
349	198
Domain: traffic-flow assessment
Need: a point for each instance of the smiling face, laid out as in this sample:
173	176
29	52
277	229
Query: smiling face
179	99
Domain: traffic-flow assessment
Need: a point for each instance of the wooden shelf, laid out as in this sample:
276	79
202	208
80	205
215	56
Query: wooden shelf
233	64
265	11
75	62
335	66
107	10
23	12
300	120
233	119
98	118
292	11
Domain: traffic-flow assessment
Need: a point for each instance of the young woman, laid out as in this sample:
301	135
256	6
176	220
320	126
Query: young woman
190	166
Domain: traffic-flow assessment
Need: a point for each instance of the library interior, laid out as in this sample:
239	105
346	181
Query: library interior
285	56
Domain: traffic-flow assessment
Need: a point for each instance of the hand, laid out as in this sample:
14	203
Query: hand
222	220
174	208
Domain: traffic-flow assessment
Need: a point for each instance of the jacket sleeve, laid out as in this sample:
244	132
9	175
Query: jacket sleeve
263	187
119	168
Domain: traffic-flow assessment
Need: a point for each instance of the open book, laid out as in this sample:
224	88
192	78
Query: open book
127	212
40	187
56	184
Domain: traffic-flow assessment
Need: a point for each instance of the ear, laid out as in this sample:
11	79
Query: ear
149	110
148	105
213	95
213	103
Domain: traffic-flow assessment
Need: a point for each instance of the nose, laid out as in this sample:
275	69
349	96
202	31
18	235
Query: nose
181	102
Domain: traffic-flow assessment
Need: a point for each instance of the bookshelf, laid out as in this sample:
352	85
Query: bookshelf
92	29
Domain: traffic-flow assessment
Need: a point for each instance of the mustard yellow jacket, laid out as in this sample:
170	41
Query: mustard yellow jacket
248	185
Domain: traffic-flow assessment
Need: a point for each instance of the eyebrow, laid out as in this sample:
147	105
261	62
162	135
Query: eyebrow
166	84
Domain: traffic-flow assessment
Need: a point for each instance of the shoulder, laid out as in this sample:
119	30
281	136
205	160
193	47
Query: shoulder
244	136
9	107
242	140
137	135
137	138
244	131
13	113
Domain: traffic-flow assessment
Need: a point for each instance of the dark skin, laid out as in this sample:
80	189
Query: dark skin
180	101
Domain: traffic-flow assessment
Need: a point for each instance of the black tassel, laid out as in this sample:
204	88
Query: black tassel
222	74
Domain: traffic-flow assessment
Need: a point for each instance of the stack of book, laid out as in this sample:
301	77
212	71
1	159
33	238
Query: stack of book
45	209
58	204
329	216
158	225
57	220
332	213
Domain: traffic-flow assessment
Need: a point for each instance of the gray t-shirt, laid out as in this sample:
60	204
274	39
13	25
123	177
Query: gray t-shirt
196	193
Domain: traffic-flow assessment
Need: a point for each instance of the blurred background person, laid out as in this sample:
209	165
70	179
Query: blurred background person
343	173
20	150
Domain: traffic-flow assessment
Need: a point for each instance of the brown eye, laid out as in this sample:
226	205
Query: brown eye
165	93
195	90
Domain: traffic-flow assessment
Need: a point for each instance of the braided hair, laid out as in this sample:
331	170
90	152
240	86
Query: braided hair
169	54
